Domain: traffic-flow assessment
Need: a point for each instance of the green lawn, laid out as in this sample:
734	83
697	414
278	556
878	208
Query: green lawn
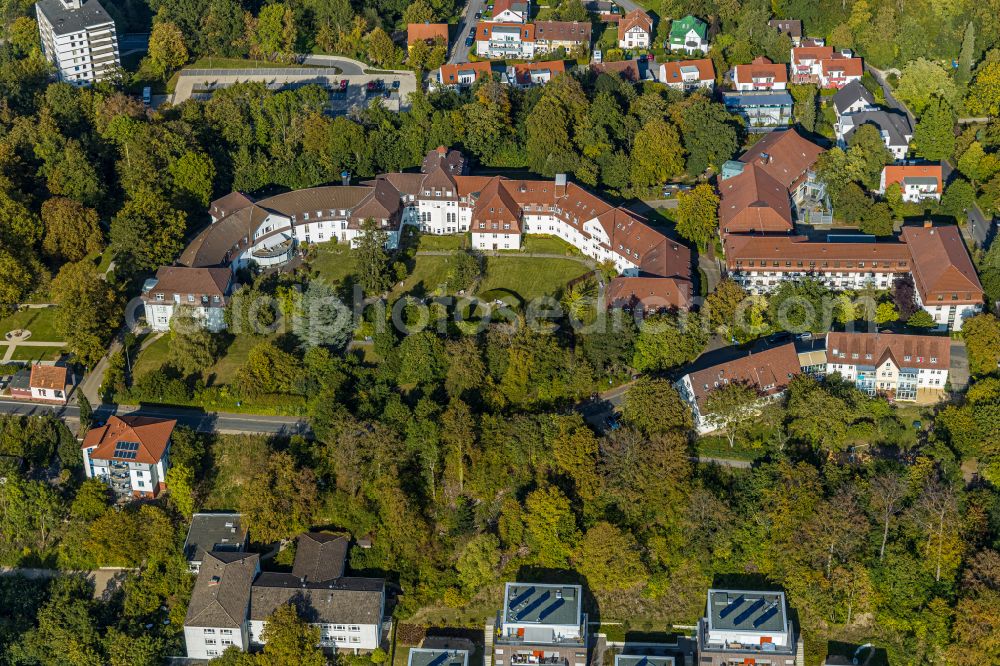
152	357
718	447
333	261
428	242
548	245
530	278
26	353
222	372
429	272
240	63
40	321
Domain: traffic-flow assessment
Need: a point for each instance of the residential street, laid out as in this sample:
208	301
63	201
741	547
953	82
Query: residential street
466	22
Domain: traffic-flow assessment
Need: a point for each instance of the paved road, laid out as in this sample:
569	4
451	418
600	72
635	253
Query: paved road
101	578
345	65
889	98
979	227
201	82
466	22
224	422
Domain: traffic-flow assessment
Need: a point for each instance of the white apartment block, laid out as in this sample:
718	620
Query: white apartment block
216	617
885	363
129	453
203	291
78	38
747	627
541	624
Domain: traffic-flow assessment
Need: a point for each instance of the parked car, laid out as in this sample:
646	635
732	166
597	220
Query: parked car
395	85
479	15
370	86
469	41
147	95
343	85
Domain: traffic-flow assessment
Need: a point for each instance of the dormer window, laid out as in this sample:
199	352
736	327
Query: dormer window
907	357
933	359
305	216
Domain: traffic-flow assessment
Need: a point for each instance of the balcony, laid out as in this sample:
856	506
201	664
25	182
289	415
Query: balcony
515	639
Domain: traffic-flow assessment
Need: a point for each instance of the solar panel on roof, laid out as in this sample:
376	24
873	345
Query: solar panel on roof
736	602
542	598
438	660
550	609
521	598
765	616
745	615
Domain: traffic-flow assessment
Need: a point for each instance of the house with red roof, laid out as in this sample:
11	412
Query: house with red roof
898	366
41	383
463	74
130	453
528	74
688	75
917	182
510	11
824	66
430	33
635	30
761	74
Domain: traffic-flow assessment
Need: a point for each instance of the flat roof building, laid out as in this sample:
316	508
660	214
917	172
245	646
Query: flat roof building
433	657
541	624
746	626
643	660
78	37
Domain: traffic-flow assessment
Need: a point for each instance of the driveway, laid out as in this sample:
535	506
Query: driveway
978	227
466	22
890	100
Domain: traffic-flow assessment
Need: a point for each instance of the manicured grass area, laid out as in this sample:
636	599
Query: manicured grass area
26	353
234	356
241	63
40	321
548	245
333	262
152	357
429	272
530	278
431	243
718	447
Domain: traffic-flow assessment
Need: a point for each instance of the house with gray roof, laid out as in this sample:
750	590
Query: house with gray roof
218	531
216	617
853	98
893	126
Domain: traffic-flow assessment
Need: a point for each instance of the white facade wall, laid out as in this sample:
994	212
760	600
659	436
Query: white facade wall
357	637
83	57
636	37
949	315
762	282
700	45
211	642
159	314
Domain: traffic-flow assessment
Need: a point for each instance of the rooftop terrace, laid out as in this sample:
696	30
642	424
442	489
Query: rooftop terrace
430	657
534	603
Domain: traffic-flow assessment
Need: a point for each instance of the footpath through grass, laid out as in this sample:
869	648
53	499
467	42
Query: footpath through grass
40	321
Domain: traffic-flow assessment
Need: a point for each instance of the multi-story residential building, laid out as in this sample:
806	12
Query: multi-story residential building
768	372
437	657
129	453
899	366
689	34
894	127
443	199
917	182
505	40
853	98
946	282
824	66
761	74
463	74
217	612
511	11
349	611
204	291
222	531
688	75
233	599
761	110
568	35
635	30
541	624
790	27
528	74
78	38
748	627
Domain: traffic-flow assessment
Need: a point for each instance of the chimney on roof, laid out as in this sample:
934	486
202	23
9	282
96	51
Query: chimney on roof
928	224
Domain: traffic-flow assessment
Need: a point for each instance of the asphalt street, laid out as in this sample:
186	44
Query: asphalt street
466	22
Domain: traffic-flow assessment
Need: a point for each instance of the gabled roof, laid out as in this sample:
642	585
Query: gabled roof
495	207
650	293
320	556
229	204
894	123
52	377
449	73
500	6
842	66
874	349
904	173
681	27
672	71
850	94
784	155
627	69
185	280
151	434
753	201
800	53
790	27
525	31
760	68
221	593
339	601
787	251
637	18
941	265
418	32
563	31
524	70
769	372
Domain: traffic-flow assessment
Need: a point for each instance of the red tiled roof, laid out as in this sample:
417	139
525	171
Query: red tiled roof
788	156
449	73
670	70
523	70
627	69
801	53
418	32
905	351
637	18
791	251
942	266
896	173
843	66
484	31
773	368
760	68
753	201
151	434
651	294
48	377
